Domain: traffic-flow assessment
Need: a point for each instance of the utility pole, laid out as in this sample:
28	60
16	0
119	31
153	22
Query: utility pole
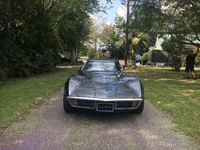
126	41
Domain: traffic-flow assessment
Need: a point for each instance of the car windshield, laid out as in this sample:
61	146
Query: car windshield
102	66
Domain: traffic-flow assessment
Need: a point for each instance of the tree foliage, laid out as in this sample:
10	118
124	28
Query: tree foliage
33	33
113	39
25	39
141	29
182	20
177	18
176	52
96	29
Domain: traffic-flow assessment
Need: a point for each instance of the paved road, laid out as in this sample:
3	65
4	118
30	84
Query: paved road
57	130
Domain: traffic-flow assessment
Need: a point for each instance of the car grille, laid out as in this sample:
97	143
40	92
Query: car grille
86	103
104	106
126	104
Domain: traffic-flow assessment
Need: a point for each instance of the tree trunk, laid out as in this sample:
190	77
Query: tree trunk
126	42
134	34
73	55
95	47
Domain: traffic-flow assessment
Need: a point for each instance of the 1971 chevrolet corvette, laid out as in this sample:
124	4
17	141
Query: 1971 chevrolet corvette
102	85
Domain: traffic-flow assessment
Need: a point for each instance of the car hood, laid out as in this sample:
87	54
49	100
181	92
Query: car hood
107	85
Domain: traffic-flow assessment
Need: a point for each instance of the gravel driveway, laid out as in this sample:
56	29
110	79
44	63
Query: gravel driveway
53	129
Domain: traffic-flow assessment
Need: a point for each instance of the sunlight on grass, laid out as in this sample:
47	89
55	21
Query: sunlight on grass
164	79
64	67
84	57
172	93
61	67
146	79
170	105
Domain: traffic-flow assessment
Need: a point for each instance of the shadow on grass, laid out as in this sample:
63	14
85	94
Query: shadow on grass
172	92
168	77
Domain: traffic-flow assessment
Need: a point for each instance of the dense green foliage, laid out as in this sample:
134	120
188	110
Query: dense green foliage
176	52
144	57
181	19
110	36
33	33
142	33
25	39
91	53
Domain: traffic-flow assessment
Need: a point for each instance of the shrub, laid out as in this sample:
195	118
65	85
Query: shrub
145	56
91	53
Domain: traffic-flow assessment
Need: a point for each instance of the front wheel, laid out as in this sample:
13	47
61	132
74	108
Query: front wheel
67	107
140	108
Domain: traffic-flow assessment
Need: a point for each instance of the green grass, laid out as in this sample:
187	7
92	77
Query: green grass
19	96
177	96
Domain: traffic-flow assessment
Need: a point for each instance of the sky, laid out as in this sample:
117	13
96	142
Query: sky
111	13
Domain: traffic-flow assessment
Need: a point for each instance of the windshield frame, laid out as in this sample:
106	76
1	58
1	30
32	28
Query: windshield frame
102	66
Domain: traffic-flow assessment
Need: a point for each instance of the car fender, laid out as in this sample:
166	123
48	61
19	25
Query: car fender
135	84
71	84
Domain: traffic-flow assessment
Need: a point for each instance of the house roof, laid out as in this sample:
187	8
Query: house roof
157	46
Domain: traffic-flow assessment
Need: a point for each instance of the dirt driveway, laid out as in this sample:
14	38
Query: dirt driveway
56	130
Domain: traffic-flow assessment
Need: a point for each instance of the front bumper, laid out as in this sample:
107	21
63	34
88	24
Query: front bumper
105	105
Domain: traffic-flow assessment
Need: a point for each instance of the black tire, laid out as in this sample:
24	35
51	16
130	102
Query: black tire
140	108
67	107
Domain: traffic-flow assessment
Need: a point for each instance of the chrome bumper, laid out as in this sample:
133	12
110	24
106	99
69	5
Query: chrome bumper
110	104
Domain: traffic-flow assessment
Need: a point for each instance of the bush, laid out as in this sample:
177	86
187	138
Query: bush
91	53
145	56
175	50
76	63
2	75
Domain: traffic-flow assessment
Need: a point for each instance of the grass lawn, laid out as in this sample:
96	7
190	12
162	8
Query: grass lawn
19	96
177	96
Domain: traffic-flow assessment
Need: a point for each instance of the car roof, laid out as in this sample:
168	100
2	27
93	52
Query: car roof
102	59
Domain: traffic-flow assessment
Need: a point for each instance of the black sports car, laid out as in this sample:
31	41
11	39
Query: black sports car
102	85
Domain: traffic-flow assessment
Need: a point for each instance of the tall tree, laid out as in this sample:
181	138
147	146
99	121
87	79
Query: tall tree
183	21
96	29
127	29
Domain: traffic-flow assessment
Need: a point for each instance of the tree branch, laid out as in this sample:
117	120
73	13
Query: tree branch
189	41
50	5
176	41
197	37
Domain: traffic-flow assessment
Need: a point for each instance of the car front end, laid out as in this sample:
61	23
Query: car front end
102	86
105	105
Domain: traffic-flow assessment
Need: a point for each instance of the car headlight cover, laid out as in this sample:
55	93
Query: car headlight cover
74	102
73	84
135	85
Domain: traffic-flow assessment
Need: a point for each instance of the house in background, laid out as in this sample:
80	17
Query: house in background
156	55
